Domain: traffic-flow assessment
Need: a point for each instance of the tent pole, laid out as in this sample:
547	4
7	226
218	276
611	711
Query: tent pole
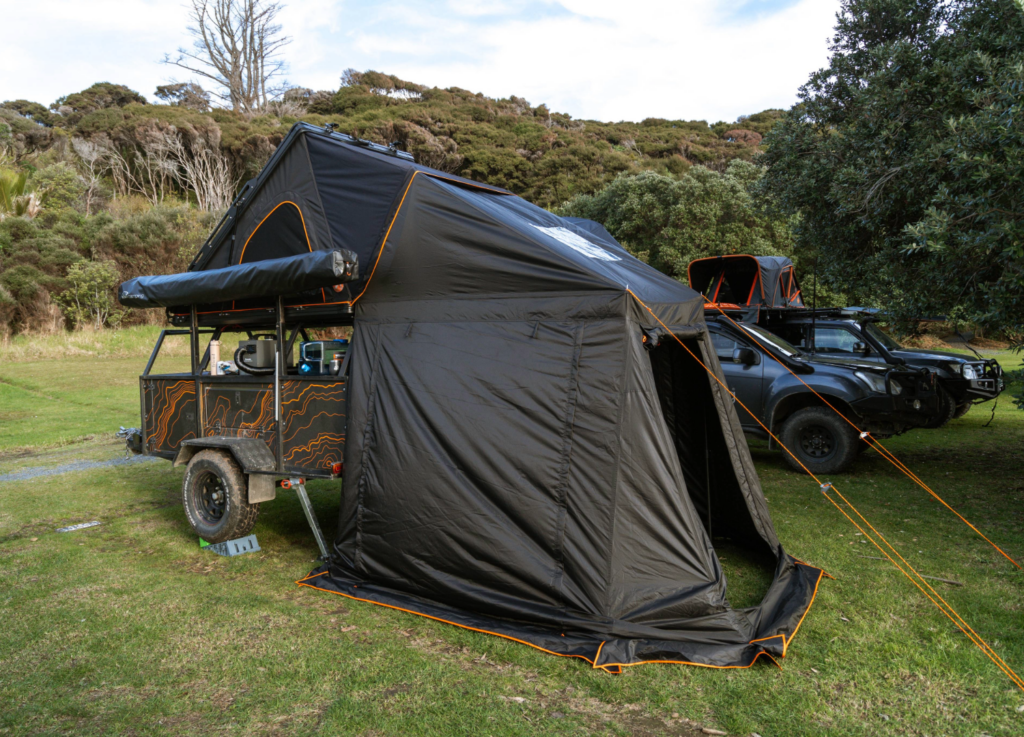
197	369
278	373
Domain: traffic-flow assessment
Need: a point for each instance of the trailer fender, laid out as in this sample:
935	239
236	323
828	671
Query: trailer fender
252	454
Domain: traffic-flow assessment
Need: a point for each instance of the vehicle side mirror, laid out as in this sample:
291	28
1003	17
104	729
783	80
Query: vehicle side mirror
859	347
746	356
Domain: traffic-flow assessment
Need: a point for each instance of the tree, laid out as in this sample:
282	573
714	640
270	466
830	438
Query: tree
90	296
72	108
198	165
669	221
91	166
237	47
60	186
185	94
31	110
904	160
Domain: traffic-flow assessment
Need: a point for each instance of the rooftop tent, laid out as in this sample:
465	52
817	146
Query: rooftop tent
749	281
320	191
529	452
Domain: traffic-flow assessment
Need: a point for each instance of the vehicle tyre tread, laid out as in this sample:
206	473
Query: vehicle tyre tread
947	405
962	409
846	437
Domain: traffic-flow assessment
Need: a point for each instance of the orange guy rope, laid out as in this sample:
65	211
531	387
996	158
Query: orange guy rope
944	607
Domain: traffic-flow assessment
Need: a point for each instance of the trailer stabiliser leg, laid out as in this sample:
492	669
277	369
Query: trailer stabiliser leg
300	489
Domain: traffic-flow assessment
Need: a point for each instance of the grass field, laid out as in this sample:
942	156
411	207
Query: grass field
129	628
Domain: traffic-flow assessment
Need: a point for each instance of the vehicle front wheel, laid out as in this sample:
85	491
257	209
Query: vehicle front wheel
820	439
962	409
947	410
215	499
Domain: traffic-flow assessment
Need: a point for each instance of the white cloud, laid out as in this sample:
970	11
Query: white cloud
56	47
597	59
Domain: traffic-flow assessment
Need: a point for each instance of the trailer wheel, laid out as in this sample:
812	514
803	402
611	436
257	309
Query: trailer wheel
215	500
820	439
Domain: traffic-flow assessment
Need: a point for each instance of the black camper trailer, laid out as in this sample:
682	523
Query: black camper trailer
531	426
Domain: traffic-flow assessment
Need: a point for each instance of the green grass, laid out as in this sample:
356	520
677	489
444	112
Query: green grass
129	628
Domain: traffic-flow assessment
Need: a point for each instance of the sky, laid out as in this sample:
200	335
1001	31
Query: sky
604	60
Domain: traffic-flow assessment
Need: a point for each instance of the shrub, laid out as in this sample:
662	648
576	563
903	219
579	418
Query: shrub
91	294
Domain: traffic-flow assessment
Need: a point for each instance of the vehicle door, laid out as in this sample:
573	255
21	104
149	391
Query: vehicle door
843	342
745	380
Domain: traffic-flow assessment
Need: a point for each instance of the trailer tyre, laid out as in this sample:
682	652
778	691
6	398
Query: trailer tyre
820	439
215	499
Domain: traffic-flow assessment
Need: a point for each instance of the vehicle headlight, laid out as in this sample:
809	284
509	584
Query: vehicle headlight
895	387
970	372
875	382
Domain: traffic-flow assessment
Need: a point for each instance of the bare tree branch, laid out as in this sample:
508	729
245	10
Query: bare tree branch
202	167
237	46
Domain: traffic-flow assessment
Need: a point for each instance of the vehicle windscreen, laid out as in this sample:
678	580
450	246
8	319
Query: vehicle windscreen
763	336
882	337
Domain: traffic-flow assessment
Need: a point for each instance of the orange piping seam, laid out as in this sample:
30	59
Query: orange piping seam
397	211
597	655
384	242
804	563
688	662
304	232
786	641
444	621
379	253
593	662
279	204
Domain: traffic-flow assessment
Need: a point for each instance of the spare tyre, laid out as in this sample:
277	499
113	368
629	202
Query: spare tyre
820	439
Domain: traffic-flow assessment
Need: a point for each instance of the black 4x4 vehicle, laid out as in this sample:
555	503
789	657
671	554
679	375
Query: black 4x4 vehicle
881	400
841	333
764	290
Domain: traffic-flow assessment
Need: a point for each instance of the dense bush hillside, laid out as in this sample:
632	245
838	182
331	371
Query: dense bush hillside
101	185
545	156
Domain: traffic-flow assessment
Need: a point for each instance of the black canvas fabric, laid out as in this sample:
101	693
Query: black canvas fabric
527	445
267	278
510	466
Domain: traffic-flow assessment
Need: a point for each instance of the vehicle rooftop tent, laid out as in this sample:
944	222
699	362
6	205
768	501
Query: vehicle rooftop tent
528	453
746	281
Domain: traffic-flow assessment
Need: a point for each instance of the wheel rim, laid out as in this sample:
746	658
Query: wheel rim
211	498
817	442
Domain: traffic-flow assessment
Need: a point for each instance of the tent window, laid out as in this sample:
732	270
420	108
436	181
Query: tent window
281	233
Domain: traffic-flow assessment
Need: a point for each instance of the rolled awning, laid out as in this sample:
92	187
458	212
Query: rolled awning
268	278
